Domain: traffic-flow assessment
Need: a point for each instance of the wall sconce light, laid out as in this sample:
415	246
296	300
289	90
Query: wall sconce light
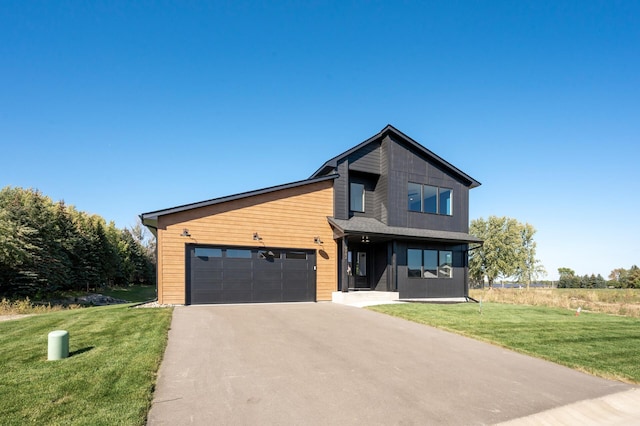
267	254
256	237
365	239
317	240
185	233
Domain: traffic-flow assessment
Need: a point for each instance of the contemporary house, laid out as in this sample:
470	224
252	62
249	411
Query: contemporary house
386	215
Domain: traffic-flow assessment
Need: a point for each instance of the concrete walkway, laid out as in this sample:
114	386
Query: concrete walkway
323	363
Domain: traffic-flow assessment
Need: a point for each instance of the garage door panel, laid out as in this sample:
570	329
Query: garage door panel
206	286
239	275
266	295
234	296
273	285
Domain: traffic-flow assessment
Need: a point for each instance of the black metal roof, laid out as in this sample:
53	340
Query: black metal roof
373	227
152	216
389	129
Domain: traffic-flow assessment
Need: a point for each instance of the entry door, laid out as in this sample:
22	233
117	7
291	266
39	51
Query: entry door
358	266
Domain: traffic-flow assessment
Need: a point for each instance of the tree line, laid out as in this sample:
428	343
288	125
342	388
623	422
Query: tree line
48	246
618	278
569	279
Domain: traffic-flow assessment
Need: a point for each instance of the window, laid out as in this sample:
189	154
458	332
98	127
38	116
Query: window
445	201
414	263
361	264
300	255
429	199
415	197
429	263
356	197
208	252
239	253
445	264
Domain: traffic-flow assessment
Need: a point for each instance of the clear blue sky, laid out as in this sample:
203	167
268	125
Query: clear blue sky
124	108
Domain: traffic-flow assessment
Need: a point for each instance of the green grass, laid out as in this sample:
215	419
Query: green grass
108	379
133	294
604	345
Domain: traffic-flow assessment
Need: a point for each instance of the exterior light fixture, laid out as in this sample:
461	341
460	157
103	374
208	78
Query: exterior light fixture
185	233
267	254
256	237
317	240
365	239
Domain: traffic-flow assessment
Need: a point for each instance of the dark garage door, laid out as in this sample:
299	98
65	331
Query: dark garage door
249	275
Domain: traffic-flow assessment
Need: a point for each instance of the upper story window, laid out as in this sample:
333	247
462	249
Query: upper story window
356	197
429	199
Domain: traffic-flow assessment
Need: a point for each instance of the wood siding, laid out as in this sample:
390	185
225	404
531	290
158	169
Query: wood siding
288	218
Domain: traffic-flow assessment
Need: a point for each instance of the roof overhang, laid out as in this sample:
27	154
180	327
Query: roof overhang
389	130
372	227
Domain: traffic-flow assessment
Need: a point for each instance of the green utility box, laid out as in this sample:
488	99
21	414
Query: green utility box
58	345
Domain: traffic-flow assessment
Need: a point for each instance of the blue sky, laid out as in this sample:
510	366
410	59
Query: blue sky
124	108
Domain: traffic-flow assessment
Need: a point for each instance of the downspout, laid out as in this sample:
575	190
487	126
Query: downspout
345	265
466	273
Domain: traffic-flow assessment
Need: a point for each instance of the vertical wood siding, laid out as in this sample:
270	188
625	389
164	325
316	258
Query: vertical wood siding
289	218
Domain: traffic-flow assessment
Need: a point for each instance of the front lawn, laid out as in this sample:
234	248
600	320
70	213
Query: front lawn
604	345
108	379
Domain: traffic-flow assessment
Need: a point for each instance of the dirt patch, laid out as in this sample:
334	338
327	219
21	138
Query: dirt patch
12	317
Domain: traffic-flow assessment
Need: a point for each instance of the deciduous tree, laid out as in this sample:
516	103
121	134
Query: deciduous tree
508	250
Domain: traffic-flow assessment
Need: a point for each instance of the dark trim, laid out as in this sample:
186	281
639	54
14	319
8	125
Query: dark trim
152	216
389	129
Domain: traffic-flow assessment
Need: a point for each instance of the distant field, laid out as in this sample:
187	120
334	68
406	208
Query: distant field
617	302
604	345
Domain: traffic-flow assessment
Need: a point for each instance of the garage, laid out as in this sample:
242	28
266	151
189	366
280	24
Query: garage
229	274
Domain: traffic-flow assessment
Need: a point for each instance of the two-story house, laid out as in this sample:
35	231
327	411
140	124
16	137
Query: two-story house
386	215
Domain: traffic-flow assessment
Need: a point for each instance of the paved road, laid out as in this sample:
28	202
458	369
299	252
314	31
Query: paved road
323	363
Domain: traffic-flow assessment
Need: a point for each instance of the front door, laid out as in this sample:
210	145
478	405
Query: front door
358	270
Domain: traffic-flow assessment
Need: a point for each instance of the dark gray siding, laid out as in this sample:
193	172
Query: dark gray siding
382	188
341	192
362	166
407	166
366	159
380	268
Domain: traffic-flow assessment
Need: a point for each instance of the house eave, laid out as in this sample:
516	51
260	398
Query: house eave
370	227
389	129
150	219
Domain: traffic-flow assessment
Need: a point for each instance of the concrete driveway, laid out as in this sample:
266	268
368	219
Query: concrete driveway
323	363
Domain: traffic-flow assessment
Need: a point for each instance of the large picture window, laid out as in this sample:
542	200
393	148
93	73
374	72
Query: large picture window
429	199
429	263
